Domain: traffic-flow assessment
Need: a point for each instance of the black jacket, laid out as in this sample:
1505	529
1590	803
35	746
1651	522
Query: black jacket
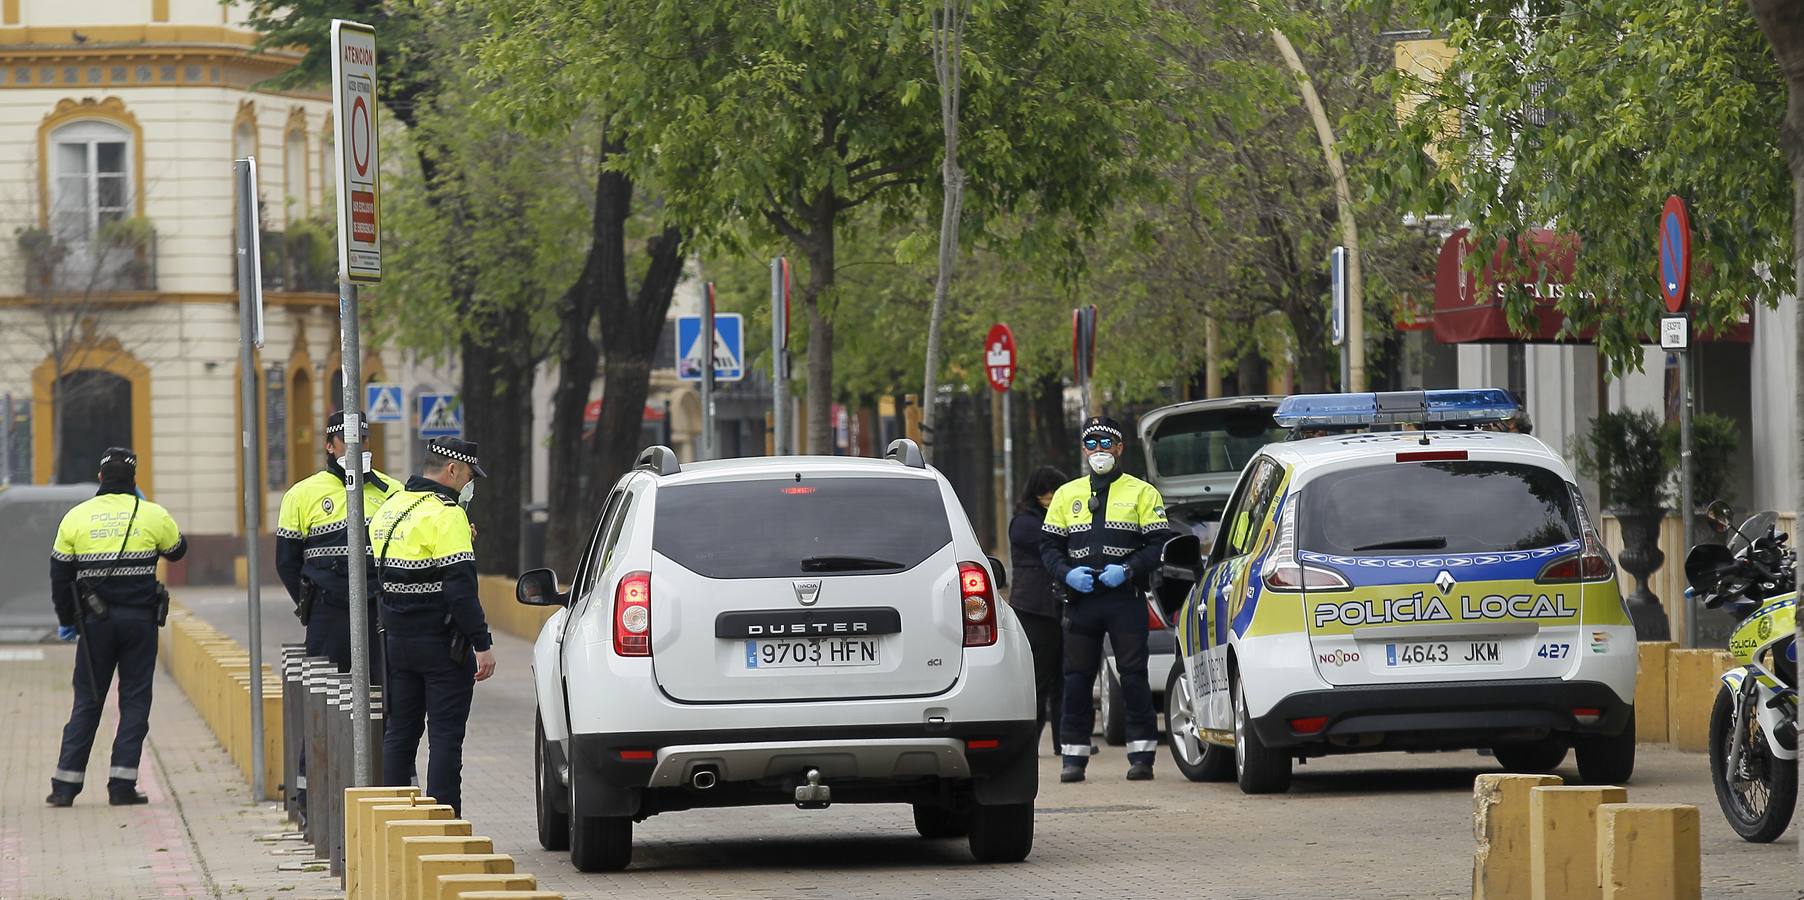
1030	588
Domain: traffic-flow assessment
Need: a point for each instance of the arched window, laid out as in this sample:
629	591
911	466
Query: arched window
90	177
96	408
294	172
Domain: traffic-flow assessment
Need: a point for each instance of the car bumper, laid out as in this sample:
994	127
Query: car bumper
648	772
1443	715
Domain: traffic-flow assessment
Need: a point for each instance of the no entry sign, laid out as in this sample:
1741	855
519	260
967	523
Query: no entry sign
355	131
999	357
1675	253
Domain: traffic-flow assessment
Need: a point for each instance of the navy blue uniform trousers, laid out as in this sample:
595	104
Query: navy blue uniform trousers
125	643
1121	616
428	693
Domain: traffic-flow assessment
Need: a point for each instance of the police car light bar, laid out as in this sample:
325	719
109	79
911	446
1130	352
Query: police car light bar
1395	407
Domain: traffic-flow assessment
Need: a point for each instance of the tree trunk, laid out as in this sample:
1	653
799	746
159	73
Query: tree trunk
948	46
497	404
820	251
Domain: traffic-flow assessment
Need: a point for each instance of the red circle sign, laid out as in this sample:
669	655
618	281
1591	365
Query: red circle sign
1675	253
360	136
999	357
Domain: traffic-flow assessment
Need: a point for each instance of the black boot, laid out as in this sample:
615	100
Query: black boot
1140	772
62	794
124	793
1071	774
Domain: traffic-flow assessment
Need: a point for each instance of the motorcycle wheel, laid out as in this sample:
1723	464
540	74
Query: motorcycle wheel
1760	806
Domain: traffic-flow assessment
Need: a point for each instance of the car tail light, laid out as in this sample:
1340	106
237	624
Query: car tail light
1289	576
978	604
1154	620
1311	725
1589	564
1431	456
637	755
983	744
632	615
1587	715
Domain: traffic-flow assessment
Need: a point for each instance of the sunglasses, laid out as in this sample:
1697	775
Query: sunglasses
1102	443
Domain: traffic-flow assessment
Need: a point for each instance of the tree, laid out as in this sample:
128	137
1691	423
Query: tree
788	116
948	32
1583	118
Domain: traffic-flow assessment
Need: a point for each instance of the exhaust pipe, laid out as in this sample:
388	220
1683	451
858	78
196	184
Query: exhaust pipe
704	777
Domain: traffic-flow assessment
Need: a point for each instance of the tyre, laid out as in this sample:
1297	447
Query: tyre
1196	758
933	821
1002	834
597	843
1258	768
1114	710
1757	801
1607	759
554	826
1537	758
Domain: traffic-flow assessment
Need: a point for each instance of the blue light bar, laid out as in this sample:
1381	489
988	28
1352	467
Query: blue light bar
1394	407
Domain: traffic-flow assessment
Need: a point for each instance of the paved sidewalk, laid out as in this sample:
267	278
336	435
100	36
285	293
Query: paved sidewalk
196	838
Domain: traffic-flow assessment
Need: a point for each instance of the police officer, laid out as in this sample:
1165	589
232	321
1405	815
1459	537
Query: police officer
311	552
1102	532
103	583
438	641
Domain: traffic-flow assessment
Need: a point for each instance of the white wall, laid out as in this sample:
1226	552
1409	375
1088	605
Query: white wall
1775	363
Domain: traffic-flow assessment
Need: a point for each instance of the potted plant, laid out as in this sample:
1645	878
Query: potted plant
1627	452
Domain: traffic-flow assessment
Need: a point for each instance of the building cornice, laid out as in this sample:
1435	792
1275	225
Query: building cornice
295	299
142	56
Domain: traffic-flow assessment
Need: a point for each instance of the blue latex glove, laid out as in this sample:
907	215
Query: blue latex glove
1081	579
66	633
1113	575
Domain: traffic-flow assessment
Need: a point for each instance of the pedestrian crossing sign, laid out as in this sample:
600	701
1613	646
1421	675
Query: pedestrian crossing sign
441	416
729	347
382	404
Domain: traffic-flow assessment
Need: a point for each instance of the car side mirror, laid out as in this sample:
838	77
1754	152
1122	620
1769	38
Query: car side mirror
539	587
997	569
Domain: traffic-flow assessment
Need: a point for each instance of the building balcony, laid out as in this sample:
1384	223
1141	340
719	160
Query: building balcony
119	256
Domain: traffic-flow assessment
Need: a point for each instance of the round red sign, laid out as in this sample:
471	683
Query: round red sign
999	357
360	136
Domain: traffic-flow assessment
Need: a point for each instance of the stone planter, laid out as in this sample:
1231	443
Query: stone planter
1641	556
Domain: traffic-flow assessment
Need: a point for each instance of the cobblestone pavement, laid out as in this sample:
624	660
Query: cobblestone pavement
1382	826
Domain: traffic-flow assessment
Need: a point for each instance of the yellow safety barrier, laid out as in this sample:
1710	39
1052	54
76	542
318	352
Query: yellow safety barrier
1692	678
1650	692
393	865
358	802
433	866
214	671
412	848
1562	840
1648	851
507	615
512	895
451	887
1500	867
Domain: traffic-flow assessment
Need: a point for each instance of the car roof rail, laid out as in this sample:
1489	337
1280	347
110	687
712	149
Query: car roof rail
659	460
906	452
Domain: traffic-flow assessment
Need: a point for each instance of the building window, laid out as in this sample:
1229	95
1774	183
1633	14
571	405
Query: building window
91	181
294	169
328	171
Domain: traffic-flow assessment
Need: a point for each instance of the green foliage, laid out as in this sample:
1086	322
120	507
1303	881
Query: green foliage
1631	458
1714	440
1583	117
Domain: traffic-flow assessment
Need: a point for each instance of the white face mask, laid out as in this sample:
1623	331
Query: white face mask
1102	463
468	493
366	462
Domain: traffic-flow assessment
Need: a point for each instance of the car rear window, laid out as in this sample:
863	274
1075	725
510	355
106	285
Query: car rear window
1211	441
1420	509
778	528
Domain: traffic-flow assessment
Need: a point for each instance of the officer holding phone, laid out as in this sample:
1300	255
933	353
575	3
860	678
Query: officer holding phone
437	639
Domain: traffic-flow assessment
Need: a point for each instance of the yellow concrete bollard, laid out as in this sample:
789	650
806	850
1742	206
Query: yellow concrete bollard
451	887
1562	840
511	895
1692	678
371	837
1650	692
1500	820
412	848
355	798
392	868
433	866
1648	851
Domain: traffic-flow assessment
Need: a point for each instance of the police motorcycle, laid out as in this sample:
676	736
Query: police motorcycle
1754	724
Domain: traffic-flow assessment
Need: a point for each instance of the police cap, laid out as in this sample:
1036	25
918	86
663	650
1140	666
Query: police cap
461	451
335	426
1101	426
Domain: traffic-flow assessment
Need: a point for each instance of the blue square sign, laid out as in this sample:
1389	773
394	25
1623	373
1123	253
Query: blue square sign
382	404
441	416
729	347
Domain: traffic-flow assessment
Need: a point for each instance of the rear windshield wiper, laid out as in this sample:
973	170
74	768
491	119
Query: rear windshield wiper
847	563
1415	543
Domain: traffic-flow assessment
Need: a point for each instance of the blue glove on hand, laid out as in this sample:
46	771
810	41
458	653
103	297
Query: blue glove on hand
1081	579
66	632
1113	575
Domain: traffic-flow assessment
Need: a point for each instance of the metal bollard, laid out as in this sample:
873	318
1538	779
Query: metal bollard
378	712
293	728
317	680
344	774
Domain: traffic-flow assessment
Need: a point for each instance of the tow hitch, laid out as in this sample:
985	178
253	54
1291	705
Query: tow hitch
813	795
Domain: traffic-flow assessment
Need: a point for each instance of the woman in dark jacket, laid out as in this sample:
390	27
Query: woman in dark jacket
1037	602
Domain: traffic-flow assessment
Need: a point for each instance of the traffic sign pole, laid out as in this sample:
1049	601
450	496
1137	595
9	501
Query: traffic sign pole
705	347
779	355
1675	286
250	336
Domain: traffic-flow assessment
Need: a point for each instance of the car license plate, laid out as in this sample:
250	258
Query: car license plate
810	652
1443	653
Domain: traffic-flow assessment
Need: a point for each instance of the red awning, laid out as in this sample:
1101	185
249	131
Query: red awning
592	413
1468	306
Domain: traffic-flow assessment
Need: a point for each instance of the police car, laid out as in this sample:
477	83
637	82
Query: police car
1407	580
787	630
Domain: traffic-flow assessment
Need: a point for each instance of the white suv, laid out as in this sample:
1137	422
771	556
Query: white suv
800	630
